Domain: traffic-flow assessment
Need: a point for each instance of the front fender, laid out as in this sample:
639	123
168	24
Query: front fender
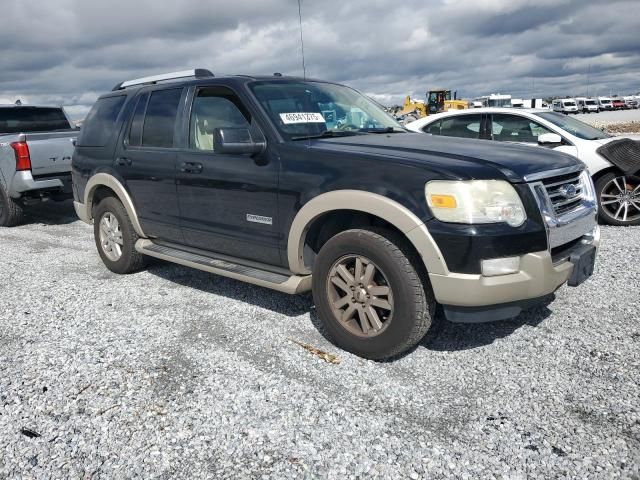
378	205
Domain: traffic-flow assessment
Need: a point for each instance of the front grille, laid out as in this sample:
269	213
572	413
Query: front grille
566	192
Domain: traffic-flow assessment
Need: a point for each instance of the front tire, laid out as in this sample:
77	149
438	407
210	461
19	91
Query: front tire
116	238
618	199
369	295
11	213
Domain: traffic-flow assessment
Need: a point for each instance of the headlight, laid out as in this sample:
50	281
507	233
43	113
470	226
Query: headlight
589	190
475	201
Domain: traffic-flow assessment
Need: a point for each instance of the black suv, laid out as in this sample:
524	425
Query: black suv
271	179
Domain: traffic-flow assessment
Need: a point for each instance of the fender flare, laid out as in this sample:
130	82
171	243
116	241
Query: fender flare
109	181
377	205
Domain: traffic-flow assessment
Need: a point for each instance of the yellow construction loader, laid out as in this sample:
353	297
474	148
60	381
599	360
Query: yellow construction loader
438	100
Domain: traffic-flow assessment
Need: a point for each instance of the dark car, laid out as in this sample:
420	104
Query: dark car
297	184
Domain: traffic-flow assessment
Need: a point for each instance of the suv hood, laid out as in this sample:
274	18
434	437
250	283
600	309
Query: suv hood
460	157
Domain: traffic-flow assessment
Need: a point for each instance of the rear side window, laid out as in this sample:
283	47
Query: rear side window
32	119
101	122
135	133
463	126
160	119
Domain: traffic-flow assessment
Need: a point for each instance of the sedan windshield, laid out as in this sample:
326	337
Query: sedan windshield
305	109
573	126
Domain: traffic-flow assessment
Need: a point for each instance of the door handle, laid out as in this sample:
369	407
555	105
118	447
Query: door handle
123	161
191	167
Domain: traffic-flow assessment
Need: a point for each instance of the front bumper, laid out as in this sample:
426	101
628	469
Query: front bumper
539	275
505	296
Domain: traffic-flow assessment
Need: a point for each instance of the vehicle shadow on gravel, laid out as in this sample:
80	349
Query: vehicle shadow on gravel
50	213
446	336
288	305
443	335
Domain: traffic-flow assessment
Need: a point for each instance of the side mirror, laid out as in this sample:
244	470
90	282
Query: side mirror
549	139
236	141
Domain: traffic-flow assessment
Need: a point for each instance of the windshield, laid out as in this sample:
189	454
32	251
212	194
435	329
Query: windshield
302	109
590	102
573	126
500	102
570	104
605	101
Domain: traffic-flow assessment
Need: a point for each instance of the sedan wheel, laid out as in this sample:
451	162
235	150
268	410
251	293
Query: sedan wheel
619	199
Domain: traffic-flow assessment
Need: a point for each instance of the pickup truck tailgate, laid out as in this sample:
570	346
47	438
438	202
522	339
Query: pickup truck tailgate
51	152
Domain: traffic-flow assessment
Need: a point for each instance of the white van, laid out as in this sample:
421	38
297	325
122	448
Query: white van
565	105
604	103
587	105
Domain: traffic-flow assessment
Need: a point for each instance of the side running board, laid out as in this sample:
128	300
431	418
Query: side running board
255	273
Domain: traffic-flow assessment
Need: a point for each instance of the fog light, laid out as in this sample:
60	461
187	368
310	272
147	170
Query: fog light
500	266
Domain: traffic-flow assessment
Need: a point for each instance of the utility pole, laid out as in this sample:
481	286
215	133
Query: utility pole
588	72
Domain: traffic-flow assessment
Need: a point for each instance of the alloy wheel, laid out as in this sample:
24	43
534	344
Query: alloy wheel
360	296
111	237
620	199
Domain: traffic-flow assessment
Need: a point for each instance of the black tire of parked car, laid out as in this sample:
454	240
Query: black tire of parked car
411	296
607	213
130	259
11	212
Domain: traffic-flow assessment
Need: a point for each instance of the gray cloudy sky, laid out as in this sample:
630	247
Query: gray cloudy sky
69	51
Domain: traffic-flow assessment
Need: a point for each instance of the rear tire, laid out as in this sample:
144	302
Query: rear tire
11	213
618	199
116	238
369	295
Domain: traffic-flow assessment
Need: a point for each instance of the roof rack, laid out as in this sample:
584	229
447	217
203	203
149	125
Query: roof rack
195	73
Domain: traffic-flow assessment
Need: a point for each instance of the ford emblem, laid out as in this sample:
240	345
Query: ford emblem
568	191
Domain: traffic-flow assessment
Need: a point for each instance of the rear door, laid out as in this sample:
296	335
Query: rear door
228	202
463	126
146	161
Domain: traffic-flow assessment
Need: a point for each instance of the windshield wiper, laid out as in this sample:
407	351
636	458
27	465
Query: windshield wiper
326	134
381	130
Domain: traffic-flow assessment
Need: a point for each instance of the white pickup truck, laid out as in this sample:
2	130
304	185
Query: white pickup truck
36	145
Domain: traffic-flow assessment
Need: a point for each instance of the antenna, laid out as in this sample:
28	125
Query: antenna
304	68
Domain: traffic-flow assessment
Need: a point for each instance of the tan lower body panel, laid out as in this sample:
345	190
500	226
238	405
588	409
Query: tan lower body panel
537	277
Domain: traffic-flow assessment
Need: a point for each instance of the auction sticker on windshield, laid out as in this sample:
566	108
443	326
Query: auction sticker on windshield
299	117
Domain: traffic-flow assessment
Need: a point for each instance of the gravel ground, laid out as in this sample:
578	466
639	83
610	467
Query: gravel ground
172	373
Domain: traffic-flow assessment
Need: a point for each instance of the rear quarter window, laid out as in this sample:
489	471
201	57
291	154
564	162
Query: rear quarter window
100	124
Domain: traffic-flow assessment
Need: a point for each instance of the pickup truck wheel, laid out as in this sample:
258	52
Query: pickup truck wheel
11	213
368	294
116	238
619	199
